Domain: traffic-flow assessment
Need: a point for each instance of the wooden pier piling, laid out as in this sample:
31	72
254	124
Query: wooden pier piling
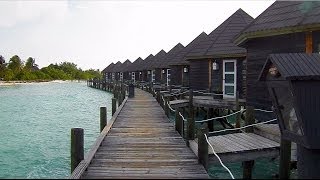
190	120
203	153
178	122
103	117
285	159
238	115
131	91
77	148
248	165
114	105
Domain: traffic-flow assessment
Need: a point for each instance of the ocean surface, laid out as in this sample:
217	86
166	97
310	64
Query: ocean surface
35	124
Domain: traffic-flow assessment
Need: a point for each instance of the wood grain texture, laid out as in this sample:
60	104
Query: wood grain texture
142	143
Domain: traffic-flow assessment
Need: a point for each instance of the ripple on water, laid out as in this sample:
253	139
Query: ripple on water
35	126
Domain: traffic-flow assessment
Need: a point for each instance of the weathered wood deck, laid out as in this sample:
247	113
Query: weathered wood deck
272	131
239	147
142	143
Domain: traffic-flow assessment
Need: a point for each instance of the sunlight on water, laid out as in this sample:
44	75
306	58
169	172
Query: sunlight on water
35	126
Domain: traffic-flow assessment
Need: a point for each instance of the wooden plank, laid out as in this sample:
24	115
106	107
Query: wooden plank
241	137
143	144
265	141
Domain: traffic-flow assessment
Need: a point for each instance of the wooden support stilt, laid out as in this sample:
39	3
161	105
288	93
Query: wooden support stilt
203	146
103	117
77	148
248	165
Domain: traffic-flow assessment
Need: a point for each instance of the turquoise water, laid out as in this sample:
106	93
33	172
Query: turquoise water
35	126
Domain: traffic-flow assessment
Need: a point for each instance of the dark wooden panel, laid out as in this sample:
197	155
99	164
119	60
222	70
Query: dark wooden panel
163	76
185	76
176	76
257	53
316	41
158	75
199	74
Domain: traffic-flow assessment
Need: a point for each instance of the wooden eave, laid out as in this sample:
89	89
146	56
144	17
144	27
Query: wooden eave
218	56
240	40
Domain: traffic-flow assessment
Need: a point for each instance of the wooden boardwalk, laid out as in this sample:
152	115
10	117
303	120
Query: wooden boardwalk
142	143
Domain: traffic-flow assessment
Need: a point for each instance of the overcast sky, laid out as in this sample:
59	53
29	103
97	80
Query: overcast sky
93	34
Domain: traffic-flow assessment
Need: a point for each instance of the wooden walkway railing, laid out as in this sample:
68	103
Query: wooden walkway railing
140	142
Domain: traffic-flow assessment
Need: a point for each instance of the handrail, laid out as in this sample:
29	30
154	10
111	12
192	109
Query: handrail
264	122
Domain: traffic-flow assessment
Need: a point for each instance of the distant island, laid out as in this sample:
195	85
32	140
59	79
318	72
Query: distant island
18	70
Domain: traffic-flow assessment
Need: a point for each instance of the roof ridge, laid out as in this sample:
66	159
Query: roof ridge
228	20
246	14
254	20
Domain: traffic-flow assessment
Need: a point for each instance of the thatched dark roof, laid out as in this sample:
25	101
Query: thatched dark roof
116	67
135	65
179	59
143	65
170	55
283	17
108	68
220	41
295	66
157	60
124	66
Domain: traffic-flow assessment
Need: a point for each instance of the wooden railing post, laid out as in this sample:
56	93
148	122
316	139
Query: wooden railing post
158	95
161	102
203	146
210	123
285	159
166	107
114	105
238	115
178	124
77	150
103	117
131	91
190	120
120	96
248	165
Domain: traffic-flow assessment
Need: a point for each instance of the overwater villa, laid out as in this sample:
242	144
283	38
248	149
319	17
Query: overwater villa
216	63
115	71
284	27
134	73
106	72
150	66
123	71
163	64
146	74
179	67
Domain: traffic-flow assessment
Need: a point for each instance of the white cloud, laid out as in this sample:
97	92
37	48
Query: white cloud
96	33
16	12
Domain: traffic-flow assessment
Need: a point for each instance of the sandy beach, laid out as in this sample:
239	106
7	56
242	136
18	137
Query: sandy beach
12	83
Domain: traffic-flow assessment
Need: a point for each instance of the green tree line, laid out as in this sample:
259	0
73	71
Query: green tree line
16	70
